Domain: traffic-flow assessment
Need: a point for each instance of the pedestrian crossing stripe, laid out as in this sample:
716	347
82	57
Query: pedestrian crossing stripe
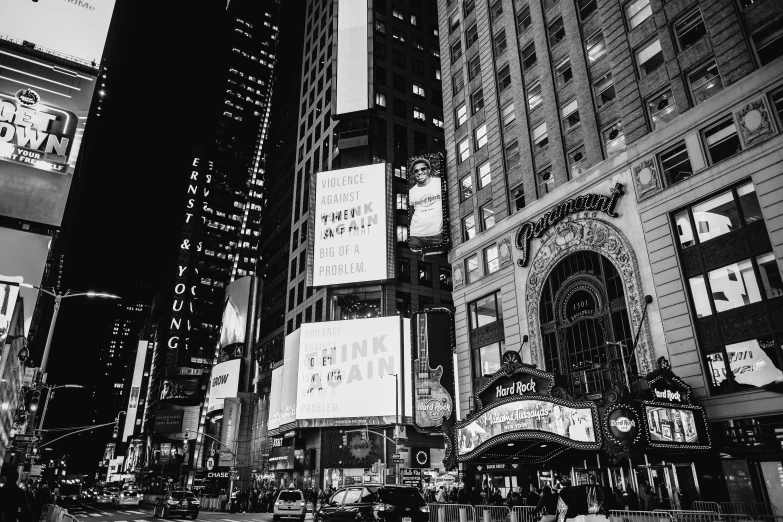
229	520
140	520
134	512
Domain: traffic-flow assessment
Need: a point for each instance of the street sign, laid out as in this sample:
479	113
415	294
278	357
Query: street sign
411	476
25	438
398	461
35	470
396	456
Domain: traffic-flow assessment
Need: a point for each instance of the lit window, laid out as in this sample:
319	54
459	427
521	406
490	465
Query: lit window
650	57
468	227
418	89
461	115
484	175
418	114
466	187
596	47
534	97
438	122
637	12
472	268
604	90
508	114
487	217
540	137
570	115
397	13
512	155
380	99
402	202
705	82
463	150
491	259
662	109
481	136
402	233
614	139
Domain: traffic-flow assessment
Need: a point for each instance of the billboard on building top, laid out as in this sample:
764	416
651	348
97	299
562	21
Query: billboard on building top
353	84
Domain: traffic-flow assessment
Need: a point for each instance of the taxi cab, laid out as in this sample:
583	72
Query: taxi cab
290	503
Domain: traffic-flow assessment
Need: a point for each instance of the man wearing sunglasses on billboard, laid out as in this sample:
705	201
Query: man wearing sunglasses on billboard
426	223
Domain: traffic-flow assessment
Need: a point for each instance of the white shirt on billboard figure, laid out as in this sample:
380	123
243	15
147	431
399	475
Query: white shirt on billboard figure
426	225
233	329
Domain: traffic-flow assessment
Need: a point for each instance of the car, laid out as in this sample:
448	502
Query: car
104	496
290	503
177	503
374	502
127	497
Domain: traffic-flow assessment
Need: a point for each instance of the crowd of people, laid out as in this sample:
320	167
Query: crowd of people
25	501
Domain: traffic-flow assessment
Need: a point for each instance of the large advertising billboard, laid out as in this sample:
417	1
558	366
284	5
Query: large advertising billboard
432	370
134	456
75	28
275	398
133	399
224	382
290	376
22	259
232	413
428	228
353	82
349	368
352	224
43	112
233	328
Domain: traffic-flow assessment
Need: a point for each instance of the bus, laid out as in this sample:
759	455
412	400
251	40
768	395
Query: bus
70	489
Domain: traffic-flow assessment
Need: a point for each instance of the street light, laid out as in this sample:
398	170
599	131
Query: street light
58	298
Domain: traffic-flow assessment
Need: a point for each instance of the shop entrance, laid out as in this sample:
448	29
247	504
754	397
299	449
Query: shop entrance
675	485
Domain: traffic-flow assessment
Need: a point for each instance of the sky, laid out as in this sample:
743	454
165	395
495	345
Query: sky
127	210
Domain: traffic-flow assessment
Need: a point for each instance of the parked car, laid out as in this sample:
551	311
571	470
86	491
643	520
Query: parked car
290	503
127	497
103	496
382	503
182	503
88	495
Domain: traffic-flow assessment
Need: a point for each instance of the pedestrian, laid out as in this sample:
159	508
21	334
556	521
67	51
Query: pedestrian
475	496
547	505
14	505
532	496
462	495
649	498
441	498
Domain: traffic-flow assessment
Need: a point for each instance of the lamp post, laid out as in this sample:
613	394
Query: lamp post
50	393
396	420
58	299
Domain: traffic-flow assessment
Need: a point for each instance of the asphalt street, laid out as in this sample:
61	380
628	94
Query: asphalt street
103	513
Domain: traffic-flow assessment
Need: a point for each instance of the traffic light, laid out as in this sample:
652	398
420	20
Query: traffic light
36	398
345	438
115	432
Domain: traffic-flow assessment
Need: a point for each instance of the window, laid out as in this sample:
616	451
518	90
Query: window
768	42
474	67
504	78
545	180
604	90
722	140
485	311
675	164
477	101
398	36
414	21
487	358
508	114
576	159
777	104
461	115
528	57
499	43
718	215
470	5
468	227
472	268
437	121
614	139
471	35
637	12
454	22
596	47
487	217
523	20
570	115
662	109
397	13
534	97
518	198
380	27
495	10
425	274
380	99
418	114
556	32
466	187
563	73
418	89
484	175
540	137
444	276
402	201
689	29
463	150
458	81
705	82
512	155
586	8
481	136
650	57
402	233
456	51
491	260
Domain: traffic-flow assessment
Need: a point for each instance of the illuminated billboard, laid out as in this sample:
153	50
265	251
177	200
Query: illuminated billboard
290	375
22	255
432	368
233	328
133	399
353	85
43	113
224	382
428	228
352	225
345	368
75	28
275	398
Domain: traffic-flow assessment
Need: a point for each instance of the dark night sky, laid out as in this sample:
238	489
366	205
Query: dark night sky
127	213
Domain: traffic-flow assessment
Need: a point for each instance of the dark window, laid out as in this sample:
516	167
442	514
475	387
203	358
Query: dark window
477	101
722	140
705	82
470	5
454	23
484	312
777	104
769	42
504	78
496	9
556	32
675	164
650	57
471	35
425	273
399	82
689	29
545	180
474	67
523	20
499	42
518	198
563	73
404	270
528	57
586	8
614	139
458	81
456	51
512	155
444	275
570	115
603	88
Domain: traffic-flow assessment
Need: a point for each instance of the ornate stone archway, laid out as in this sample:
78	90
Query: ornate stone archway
588	233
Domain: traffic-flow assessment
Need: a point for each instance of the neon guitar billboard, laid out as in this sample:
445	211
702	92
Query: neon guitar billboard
433	368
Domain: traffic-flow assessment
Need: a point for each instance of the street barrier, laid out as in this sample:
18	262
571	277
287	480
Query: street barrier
452	513
701	505
640	516
523	514
492	513
753	509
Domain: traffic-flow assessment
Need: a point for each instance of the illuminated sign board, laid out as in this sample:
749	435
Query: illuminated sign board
228	435
522	381
352	81
432	368
233	328
569	423
428	228
275	398
675	426
133	402
345	367
169	421
224	382
76	28
351	224
22	259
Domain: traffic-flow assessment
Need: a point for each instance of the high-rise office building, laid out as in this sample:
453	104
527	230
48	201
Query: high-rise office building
615	204
222	200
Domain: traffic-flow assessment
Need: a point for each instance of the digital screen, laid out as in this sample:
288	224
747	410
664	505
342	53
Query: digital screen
428	229
528	415
224	382
666	424
352	57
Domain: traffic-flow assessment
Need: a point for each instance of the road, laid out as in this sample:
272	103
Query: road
107	513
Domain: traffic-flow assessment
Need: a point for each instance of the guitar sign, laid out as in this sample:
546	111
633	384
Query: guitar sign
433	401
